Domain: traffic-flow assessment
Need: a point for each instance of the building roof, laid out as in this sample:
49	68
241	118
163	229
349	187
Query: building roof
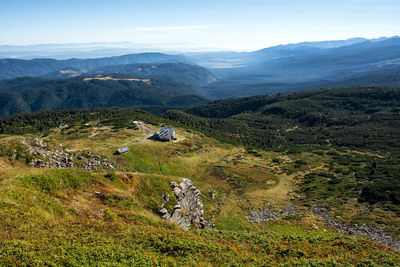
166	133
123	150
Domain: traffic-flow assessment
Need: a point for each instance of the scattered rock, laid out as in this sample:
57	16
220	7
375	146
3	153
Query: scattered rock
212	193
93	162
44	157
269	214
373	233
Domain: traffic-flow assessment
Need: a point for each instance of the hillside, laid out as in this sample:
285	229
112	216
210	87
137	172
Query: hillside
178	72
357	117
13	68
261	206
31	94
363	120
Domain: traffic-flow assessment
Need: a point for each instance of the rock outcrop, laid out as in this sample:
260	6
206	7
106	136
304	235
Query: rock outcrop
189	210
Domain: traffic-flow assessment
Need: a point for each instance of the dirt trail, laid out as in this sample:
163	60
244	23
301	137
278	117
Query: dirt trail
148	132
280	193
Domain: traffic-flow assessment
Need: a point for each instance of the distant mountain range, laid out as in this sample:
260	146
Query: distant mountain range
300	62
103	82
302	66
324	57
307	62
13	68
278	69
94	49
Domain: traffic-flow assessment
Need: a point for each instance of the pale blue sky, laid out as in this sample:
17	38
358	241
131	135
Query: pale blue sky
232	24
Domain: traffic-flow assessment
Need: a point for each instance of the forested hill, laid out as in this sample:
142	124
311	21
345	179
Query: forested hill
365	118
178	72
31	94
13	68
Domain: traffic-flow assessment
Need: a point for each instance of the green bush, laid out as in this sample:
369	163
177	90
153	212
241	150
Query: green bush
277	160
29	158
112	176
118	201
58	179
301	162
169	205
109	215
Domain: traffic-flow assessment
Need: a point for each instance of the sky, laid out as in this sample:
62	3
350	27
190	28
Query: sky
240	25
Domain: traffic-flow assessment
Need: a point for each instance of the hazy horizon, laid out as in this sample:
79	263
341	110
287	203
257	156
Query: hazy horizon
129	44
209	25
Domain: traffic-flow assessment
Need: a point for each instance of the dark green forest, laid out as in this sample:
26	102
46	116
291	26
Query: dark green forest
363	118
32	94
42	121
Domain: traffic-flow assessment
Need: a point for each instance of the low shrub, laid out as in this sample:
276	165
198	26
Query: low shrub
52	180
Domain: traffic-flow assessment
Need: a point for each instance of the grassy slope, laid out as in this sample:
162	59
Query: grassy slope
55	216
